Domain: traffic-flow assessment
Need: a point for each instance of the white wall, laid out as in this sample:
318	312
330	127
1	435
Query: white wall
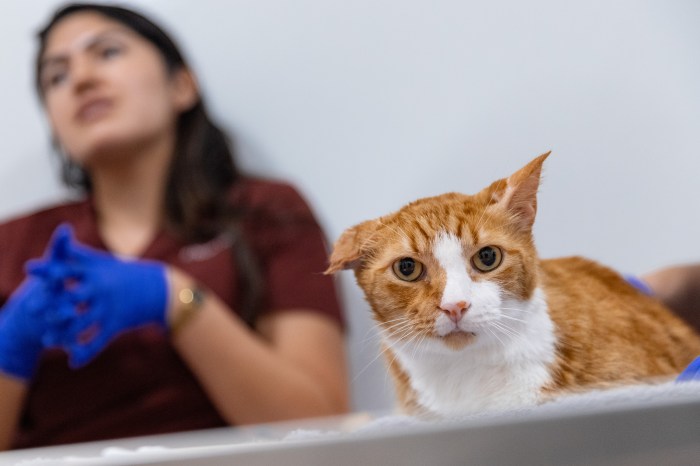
368	104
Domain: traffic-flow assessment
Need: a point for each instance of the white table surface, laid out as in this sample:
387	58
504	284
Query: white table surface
663	431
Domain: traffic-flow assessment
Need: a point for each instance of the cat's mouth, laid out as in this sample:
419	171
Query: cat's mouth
458	339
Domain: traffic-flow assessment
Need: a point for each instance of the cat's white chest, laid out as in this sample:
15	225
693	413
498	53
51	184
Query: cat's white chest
489	374
458	386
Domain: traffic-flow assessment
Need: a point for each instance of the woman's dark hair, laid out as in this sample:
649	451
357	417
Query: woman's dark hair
202	170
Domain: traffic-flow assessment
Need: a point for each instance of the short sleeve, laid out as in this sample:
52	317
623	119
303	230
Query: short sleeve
293	253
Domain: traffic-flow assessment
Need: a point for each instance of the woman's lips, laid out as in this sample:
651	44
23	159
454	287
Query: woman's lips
93	110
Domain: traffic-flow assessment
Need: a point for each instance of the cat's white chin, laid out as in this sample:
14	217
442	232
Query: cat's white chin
458	339
472	370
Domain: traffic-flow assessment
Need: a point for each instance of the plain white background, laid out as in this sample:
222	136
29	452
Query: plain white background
368	104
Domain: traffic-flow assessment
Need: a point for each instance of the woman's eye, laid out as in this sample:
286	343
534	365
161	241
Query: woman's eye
487	258
55	79
407	269
109	52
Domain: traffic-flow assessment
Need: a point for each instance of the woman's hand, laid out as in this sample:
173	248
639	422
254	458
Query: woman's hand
294	367
29	318
107	295
23	328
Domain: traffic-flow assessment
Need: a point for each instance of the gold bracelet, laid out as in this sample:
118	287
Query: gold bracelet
190	302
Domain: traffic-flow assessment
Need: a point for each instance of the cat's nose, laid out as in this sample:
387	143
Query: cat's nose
455	311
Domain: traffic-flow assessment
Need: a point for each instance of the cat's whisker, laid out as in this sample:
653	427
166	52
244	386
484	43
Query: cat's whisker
413	337
398	337
506	332
397	340
396	328
523	312
519	309
496	330
367	337
410	341
390	363
397	331
380	353
504	329
421	347
388	345
417	345
394	322
400	318
399	324
374	337
496	336
404	341
513	318
502	324
401	337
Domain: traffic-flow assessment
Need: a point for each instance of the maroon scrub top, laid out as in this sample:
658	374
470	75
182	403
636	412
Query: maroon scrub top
139	385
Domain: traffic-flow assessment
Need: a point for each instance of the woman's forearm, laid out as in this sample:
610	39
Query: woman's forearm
299	372
12	392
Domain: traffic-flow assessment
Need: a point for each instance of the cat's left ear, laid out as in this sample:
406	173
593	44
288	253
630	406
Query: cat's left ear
519	196
351	246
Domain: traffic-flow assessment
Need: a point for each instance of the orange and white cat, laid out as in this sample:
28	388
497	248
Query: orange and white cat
471	319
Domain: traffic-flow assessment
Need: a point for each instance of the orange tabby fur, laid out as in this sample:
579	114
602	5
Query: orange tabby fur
606	331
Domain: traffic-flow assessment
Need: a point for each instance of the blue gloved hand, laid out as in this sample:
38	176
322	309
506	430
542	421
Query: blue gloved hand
640	284
31	314
22	329
692	372
108	296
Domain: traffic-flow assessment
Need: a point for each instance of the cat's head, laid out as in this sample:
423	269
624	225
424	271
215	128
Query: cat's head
453	268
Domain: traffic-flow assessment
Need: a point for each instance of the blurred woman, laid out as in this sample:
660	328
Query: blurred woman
180	294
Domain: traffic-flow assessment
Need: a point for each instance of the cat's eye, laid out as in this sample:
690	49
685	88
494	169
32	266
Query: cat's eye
407	269
487	258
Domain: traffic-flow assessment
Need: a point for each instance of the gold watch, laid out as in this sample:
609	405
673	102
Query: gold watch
190	302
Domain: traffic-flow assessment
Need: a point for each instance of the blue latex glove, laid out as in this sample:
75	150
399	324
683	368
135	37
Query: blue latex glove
692	372
639	284
22	329
30	315
108	295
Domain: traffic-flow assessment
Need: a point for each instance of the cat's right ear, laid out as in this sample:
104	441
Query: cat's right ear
351	246
517	194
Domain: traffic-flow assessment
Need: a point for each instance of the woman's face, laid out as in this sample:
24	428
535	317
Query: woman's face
107	90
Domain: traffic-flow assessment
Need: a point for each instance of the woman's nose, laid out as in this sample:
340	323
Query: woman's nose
83	74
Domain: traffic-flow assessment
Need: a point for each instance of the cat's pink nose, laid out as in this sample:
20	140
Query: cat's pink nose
455	311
